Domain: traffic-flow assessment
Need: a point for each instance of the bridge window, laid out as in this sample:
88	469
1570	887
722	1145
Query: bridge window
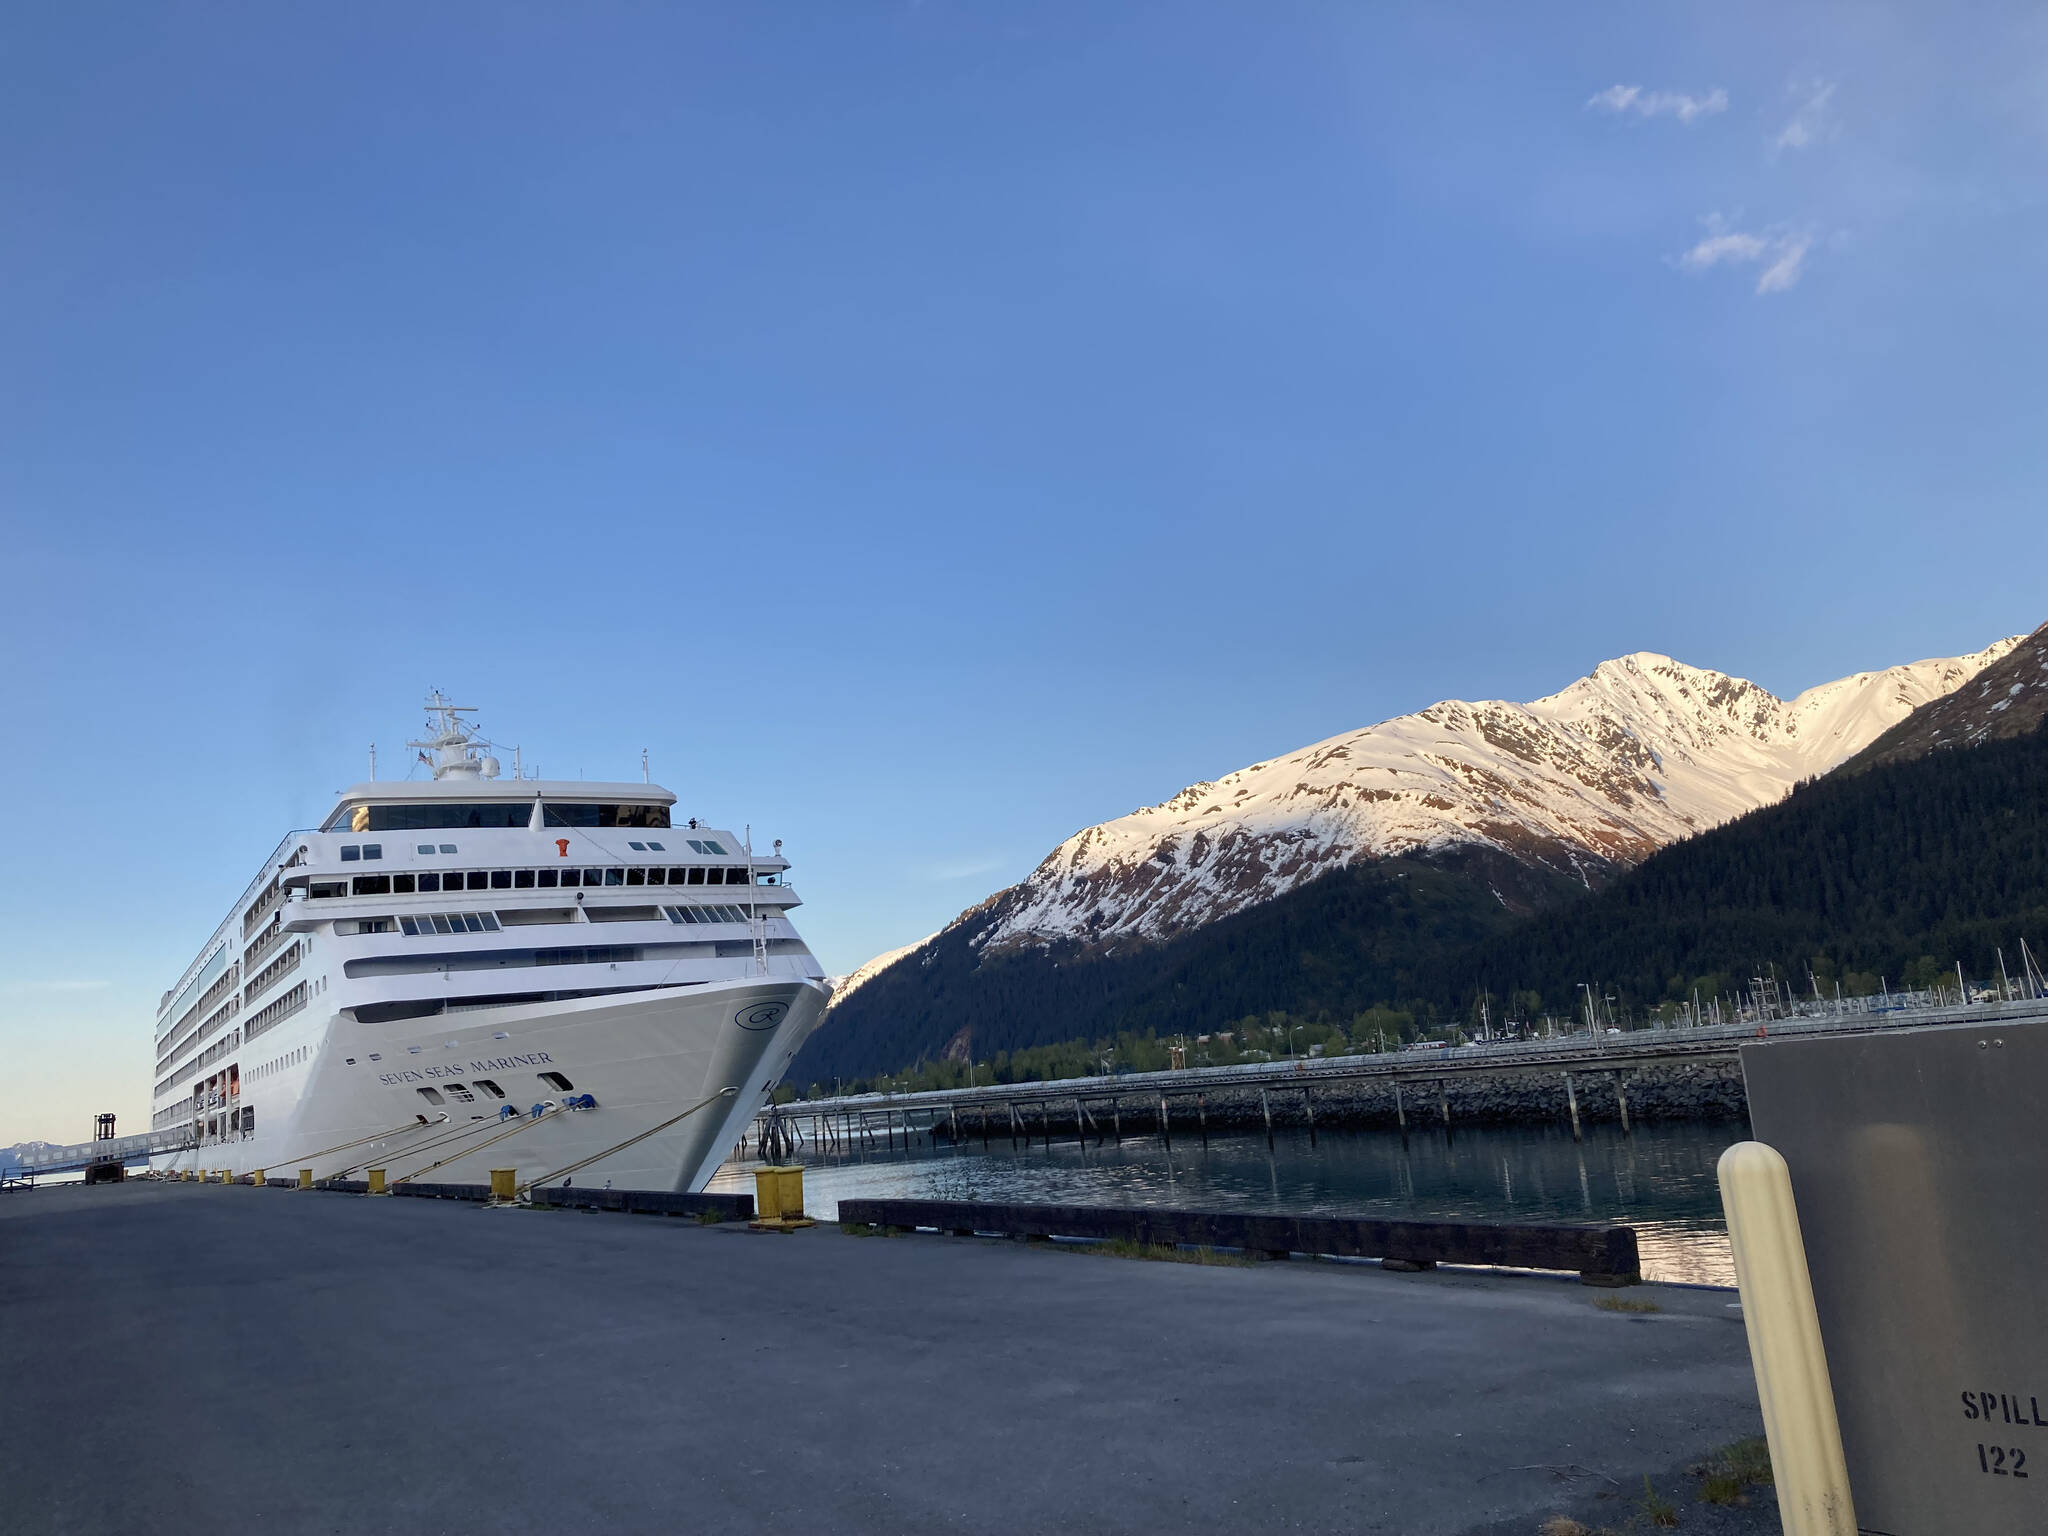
647	816
522	880
351	852
372	885
401	885
429	881
373	850
548	877
501	879
324	889
636	876
477	880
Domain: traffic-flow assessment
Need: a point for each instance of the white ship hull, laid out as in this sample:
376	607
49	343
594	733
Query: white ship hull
645	1058
452	976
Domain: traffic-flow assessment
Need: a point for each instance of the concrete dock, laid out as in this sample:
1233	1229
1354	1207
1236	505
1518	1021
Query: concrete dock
187	1357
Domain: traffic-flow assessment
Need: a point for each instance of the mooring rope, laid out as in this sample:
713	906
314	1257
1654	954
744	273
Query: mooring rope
547	1114
562	1173
416	1123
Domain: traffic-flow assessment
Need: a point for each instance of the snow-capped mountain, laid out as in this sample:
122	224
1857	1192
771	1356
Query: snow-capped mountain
843	987
2008	698
1644	751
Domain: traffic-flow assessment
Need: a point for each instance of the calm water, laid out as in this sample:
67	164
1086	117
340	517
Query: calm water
1660	1180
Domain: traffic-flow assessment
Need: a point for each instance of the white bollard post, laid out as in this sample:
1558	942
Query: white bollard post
1785	1347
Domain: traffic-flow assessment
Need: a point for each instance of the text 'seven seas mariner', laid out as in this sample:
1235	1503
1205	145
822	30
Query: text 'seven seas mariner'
470	973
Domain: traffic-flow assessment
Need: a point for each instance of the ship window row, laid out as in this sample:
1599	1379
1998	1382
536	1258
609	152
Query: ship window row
428	881
429	848
351	852
710	914
275	1013
288	1059
448	922
502	813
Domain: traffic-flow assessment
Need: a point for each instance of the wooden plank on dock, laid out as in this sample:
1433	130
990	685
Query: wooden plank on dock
1601	1255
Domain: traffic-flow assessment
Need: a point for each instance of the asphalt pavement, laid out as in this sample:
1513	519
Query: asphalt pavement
179	1357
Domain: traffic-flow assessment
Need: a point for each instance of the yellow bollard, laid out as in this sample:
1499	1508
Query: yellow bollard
503	1182
1785	1348
305	1178
259	1177
779	1200
376	1176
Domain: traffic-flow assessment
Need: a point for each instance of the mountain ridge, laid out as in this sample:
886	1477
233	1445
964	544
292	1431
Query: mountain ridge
1498	809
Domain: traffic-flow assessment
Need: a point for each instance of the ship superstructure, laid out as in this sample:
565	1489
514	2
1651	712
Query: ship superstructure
553	968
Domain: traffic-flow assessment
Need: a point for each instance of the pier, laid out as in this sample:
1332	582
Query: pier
319	1362
1568	1080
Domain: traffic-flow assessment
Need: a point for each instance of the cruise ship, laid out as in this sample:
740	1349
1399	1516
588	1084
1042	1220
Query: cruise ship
473	972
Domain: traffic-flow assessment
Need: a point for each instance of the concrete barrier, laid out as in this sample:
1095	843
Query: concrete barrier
1602	1255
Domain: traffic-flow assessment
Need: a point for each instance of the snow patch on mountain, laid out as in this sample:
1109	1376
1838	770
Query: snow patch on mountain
841	987
1643	752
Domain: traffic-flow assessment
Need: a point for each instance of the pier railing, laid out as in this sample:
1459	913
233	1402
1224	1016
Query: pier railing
1600	1052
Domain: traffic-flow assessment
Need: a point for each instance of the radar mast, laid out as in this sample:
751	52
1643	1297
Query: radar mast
458	752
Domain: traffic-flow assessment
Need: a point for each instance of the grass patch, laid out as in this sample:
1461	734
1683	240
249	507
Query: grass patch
1735	1470
1655	1508
1162	1253
709	1219
1626	1304
869	1229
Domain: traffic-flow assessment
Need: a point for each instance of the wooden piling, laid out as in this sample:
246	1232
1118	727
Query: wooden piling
1443	1102
1308	1105
1621	1097
1571	1098
1266	1108
1116	1114
1013	1126
1080	1126
1202	1109
1165	1126
1400	1109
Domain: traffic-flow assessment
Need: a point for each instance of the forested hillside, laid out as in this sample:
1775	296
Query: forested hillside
1897	872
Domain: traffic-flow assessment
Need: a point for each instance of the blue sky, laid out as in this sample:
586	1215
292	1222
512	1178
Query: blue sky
931	428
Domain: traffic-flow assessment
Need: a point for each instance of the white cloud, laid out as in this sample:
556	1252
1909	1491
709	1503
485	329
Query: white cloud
1617	99
1788	260
960	869
1782	252
1812	120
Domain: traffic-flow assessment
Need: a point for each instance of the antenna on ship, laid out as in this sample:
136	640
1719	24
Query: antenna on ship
373	762
643	767
458	751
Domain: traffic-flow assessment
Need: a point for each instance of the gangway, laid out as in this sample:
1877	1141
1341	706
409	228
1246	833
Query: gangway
113	1151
